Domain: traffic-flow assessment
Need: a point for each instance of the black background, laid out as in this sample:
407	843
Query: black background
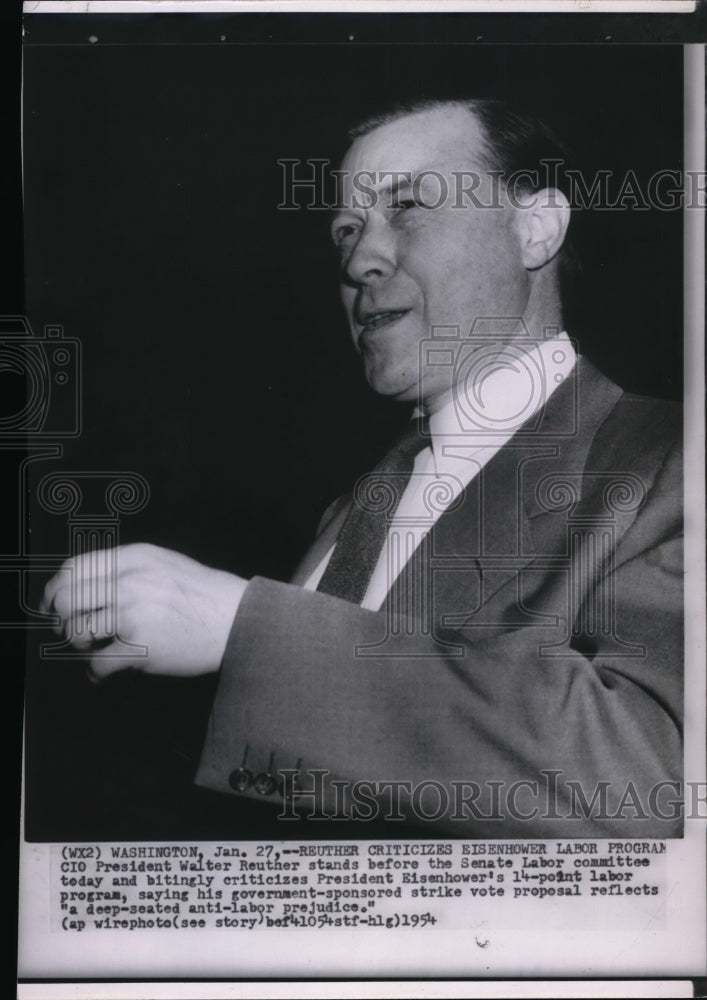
216	360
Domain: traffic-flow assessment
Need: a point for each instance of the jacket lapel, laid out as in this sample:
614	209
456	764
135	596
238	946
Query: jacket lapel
329	529
503	526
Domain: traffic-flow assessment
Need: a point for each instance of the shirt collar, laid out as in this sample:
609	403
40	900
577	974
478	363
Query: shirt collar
486	412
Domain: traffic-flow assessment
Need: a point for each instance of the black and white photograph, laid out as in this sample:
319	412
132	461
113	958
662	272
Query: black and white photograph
357	538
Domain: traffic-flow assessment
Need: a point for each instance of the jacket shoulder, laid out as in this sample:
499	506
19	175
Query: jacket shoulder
640	428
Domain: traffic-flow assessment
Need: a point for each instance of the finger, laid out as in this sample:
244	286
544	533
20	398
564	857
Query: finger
94	579
101	626
95	628
72	622
69	604
59	605
57	622
100	565
107	662
71	592
59	580
94	575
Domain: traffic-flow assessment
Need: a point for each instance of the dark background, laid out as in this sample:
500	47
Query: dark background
216	360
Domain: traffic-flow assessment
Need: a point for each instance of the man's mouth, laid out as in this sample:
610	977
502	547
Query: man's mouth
374	321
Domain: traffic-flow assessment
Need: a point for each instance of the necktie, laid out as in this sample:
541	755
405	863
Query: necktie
375	500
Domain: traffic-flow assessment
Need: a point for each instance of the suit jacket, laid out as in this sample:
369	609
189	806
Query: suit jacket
524	678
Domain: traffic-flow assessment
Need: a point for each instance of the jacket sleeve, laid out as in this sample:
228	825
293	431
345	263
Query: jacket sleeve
502	741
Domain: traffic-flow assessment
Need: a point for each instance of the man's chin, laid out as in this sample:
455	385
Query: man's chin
396	389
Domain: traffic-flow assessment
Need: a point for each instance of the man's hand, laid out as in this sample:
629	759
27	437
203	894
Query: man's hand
180	610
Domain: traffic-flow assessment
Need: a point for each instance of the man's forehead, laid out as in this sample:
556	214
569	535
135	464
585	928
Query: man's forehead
448	137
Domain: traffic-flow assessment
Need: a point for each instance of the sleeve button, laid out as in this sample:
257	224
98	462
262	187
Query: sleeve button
265	783
240	779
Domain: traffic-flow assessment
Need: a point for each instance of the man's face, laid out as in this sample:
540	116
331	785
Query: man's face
406	267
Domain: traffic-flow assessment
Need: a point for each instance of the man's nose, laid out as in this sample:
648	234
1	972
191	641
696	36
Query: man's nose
373	258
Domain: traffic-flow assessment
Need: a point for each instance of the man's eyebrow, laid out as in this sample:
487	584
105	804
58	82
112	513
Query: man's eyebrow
337	211
397	180
393	188
404	179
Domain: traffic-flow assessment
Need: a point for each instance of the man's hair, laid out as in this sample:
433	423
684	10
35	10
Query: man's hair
515	143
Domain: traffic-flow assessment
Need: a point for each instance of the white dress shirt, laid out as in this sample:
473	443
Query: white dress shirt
474	422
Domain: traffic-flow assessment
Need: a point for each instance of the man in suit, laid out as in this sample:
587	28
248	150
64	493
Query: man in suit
485	638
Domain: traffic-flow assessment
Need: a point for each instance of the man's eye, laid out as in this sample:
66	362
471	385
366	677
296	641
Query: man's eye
403	206
342	235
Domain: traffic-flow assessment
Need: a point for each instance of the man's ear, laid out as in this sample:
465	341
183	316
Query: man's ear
542	221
